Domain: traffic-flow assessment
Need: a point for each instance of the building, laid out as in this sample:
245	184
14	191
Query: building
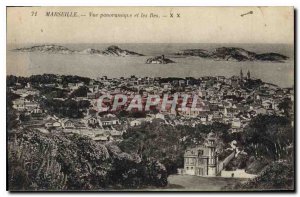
136	122
109	121
202	160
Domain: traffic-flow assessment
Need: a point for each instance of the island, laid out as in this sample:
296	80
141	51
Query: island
57	49
233	54
159	60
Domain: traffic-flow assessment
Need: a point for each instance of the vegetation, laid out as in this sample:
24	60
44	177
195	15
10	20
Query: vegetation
268	140
269	136
276	176
66	108
38	161
36	80
11	115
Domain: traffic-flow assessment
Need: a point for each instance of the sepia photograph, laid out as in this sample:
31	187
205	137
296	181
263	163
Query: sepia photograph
145	99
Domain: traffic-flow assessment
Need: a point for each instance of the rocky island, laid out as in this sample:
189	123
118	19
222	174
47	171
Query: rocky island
46	48
57	49
159	60
233	54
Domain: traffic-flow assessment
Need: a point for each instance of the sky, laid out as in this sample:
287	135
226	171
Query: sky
192	25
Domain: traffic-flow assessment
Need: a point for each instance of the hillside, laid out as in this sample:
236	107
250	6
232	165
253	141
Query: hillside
54	162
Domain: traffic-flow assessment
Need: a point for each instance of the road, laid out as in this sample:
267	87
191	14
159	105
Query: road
193	183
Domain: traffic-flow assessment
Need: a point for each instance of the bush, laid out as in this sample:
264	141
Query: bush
276	176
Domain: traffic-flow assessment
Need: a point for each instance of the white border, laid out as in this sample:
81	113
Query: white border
3	5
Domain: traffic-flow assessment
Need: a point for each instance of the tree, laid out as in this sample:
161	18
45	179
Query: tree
286	105
268	136
80	92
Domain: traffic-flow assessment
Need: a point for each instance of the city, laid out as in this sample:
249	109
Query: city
218	120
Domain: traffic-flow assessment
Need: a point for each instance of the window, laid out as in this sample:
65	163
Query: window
192	168
200	161
186	160
200	153
192	161
187	168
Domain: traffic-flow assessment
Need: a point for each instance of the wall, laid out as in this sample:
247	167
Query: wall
223	163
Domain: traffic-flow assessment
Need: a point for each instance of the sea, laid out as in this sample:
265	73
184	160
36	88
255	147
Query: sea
93	66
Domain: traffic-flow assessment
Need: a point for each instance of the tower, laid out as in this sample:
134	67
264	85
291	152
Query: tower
248	74
212	156
241	75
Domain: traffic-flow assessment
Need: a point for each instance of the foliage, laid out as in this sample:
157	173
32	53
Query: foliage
277	176
67	108
80	92
269	136
11	114
40	161
53	92
287	106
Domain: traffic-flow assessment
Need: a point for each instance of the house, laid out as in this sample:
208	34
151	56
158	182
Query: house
160	116
115	134
23	104
93	88
203	117
267	104
236	123
136	122
261	110
91	121
108	121
202	160
68	124
79	125
52	124
93	95
101	138
19	104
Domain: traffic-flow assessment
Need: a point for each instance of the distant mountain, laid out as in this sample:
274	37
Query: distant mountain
159	60
110	51
233	54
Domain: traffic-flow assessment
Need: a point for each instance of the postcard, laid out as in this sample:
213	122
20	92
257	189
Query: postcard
150	99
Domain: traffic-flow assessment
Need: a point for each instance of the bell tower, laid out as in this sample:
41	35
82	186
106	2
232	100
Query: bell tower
241	75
